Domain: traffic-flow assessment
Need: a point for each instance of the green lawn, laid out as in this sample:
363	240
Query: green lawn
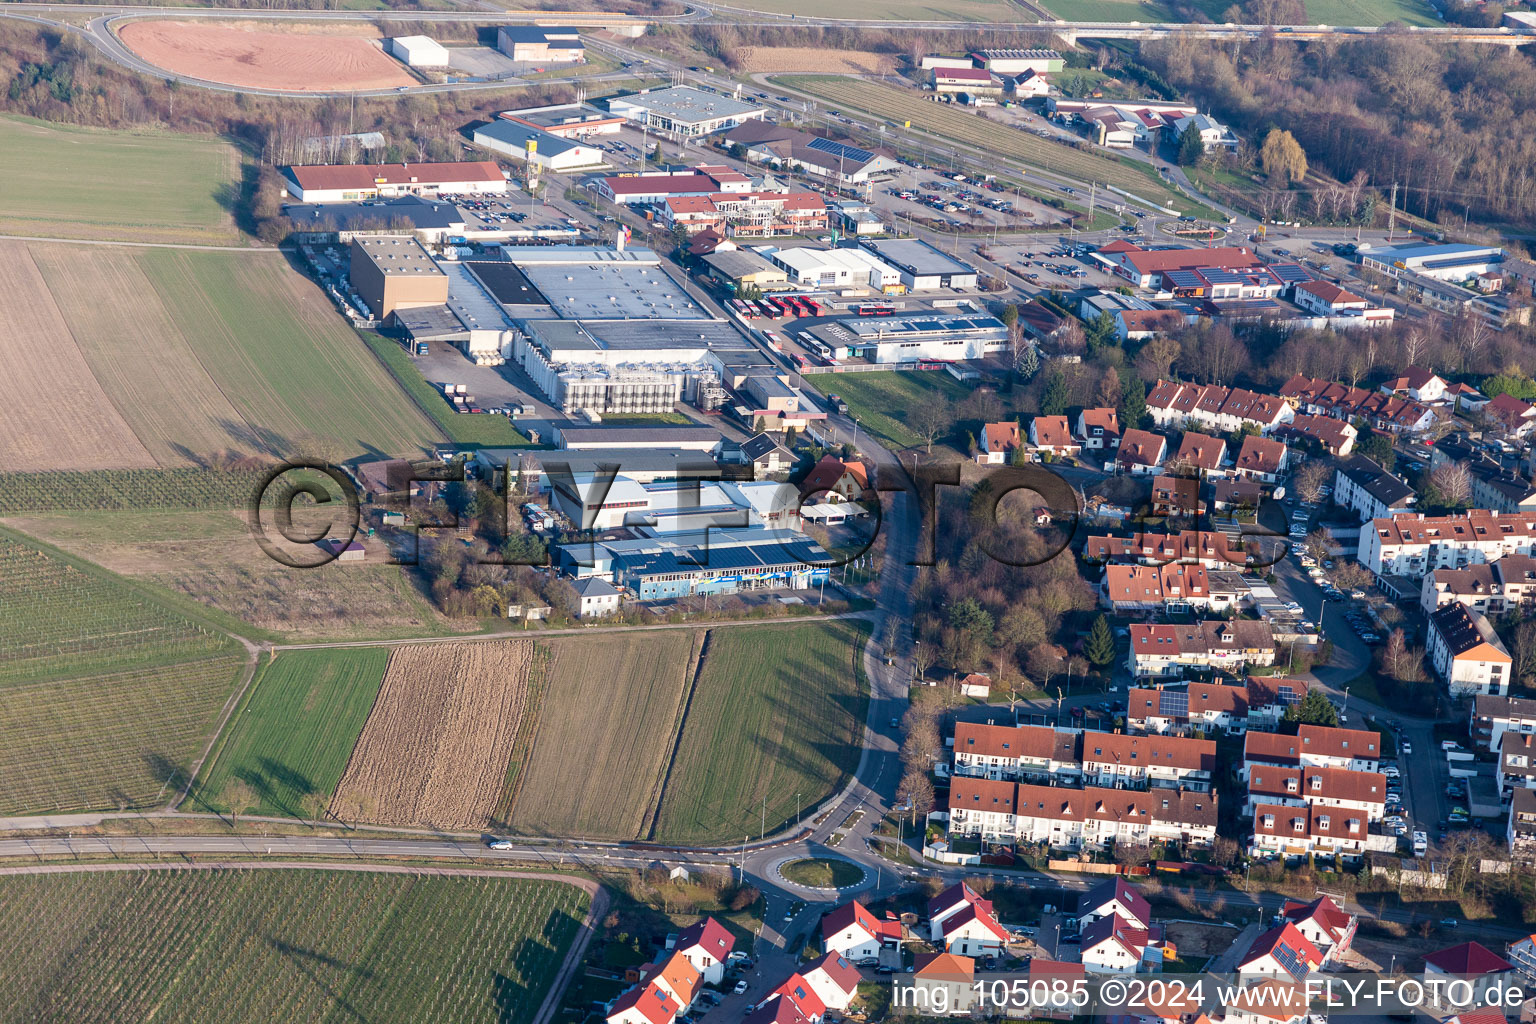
66	181
1370	12
484	431
773	727
1109	10
293	735
184	947
897	10
882	400
823	873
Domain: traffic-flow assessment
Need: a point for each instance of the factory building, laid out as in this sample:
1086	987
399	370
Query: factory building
1013	62
517	140
829	269
911	337
345	183
1455	262
922	267
541	44
393	272
684	112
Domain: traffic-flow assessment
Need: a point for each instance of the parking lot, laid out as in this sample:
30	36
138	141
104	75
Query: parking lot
933	197
1051	265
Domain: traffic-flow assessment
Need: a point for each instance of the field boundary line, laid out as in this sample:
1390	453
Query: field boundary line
266	249
660	792
238	701
522	745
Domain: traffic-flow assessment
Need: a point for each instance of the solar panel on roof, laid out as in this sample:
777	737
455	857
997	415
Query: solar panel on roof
1183	278
1289	959
1289	272
844	150
1288	696
1174	704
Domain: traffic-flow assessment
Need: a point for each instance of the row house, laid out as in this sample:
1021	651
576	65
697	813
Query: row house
1212	707
1118	761
1261	458
1156	587
1218	409
1016	752
1314	746
1357	792
1336	437
1517	763
1176	496
1492	717
1467	653
1298	831
1493	588
1381	410
1209	548
1413	545
1098	429
1236	495
1227	645
1078	818
1201	455
1419	384
1515	417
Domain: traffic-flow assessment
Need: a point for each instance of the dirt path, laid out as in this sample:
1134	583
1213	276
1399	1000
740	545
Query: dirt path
597	906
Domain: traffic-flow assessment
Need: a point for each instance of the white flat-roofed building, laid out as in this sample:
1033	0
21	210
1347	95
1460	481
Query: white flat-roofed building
340	183
1448	262
1413	545
836	268
567	120
913	337
541	44
684	112
419	51
923	267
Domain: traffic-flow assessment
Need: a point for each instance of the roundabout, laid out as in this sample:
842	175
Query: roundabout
821	874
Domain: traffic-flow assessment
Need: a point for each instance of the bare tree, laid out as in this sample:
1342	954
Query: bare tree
1310	478
1453	482
929	420
239	797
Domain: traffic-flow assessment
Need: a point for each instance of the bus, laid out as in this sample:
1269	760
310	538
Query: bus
875	309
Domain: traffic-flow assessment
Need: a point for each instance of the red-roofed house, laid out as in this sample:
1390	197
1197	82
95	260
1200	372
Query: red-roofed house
1261	458
644	1004
1282	953
1098	429
848	479
798	991
854	933
1113	945
676	975
1201	452
972	80
1359	792
777	1010
1299	831
1337	437
834	980
1141	451
706	944
1052	434
1479	965
1326	299
1268	1002
997	442
1515	416
972	930
944	980
1419	384
1323	924
1145	268
1136	324
334	183
1153	587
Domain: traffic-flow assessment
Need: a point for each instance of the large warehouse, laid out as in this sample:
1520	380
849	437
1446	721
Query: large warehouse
518	141
567	120
683	112
419	51
344	183
923	268
541	44
393	272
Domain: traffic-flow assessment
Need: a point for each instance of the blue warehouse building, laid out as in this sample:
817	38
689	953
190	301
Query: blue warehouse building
673	570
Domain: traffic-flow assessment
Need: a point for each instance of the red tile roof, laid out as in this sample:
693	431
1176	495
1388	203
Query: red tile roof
1333	742
1142	448
1033	741
1468	958
709	935
1052	431
1260	454
1323	783
1329	293
1201	451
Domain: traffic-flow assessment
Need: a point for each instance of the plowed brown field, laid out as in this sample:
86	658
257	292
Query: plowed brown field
263	59
436	746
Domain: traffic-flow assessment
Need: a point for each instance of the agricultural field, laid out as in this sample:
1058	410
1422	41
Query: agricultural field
436	746
303	946
617	699
208	556
884	400
1319	12
106	171
959	123
127	490
110	741
1112	10
291	738
773	726
182	354
265	56
60	618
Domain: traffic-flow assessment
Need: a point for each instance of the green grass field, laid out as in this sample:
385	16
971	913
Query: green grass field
104	742
292	736
1319	12
883	399
183	947
773	726
62	618
1109	10
959	123
65	181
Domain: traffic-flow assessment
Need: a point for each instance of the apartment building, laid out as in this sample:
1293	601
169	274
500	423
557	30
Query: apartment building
1212	707
1493	716
1128	588
1373	493
1016	752
1314	746
1492	588
1357	792
1118	761
1414	545
1209	548
1077	818
1284	831
1224	645
1517	763
1467	653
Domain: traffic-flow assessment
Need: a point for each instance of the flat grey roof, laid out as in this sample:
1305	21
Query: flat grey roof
470	302
517	135
738	262
398	256
916	256
661	434
423	323
606	290
687	104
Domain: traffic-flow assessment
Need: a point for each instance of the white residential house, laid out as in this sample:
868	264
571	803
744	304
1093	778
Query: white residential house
1371	491
833	979
1479	966
596	597
1213	133
1467	653
1338	788
1014	752
1112	945
707	944
1492	717
1330	929
1419	384
1114	898
964	923
854	933
1412	545
997	442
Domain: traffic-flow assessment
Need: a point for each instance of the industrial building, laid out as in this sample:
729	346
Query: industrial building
1454	262
344	183
819	157
1012	62
717	561
517	140
684	112
922	267
567	120
393	272
659	186
541	44
419	51
837	268
432	220
651	438
912	337
743	268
